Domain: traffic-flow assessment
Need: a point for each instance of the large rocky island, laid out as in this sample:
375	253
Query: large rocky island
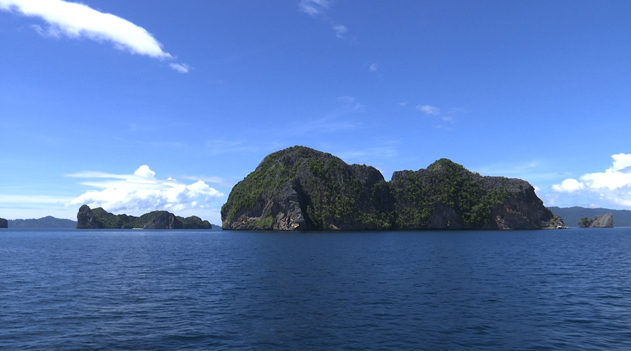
301	189
98	218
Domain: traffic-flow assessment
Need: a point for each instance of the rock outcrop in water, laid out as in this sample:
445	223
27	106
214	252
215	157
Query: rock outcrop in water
4	223
98	218
600	221
304	189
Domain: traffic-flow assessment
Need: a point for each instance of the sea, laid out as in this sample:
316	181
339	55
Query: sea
69	289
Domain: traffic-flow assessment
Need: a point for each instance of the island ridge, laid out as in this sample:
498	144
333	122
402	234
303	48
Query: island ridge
302	189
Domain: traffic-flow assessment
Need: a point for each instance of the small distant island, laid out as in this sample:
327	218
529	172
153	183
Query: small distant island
600	221
302	189
4	223
98	218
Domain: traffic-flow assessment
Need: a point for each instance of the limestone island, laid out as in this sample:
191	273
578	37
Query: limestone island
4	223
302	189
600	221
98	218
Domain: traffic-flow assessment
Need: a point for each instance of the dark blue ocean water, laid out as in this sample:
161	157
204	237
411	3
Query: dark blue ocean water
214	290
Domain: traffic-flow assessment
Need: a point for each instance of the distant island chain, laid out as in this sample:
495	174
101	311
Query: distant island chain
302	189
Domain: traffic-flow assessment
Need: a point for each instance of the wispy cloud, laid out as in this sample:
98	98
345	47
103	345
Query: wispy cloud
224	146
33	199
336	120
373	67
75	21
446	116
182	68
531	171
142	191
381	152
319	8
314	7
229	183
428	109
340	31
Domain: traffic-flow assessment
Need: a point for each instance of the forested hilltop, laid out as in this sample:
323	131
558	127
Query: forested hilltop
304	189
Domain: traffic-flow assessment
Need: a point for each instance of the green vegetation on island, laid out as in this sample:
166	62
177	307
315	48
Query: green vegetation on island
98	218
445	184
304	189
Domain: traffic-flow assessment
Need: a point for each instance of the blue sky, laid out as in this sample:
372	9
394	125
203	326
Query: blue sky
138	105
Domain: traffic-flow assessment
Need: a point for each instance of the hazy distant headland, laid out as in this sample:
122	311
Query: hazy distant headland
302	189
3	223
44	222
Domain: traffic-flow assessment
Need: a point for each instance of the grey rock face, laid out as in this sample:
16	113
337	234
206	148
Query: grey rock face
304	189
163	220
86	219
603	221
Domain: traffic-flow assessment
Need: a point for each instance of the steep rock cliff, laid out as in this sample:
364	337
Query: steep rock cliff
303	189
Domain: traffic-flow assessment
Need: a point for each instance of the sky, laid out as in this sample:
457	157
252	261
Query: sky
165	105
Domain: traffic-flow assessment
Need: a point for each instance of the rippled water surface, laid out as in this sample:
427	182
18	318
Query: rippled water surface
214	290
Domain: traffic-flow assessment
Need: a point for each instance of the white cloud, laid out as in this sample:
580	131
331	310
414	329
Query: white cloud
612	186
373	68
75	21
428	109
142	192
568	185
145	172
621	161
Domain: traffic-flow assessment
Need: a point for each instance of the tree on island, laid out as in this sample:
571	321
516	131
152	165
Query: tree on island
584	222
